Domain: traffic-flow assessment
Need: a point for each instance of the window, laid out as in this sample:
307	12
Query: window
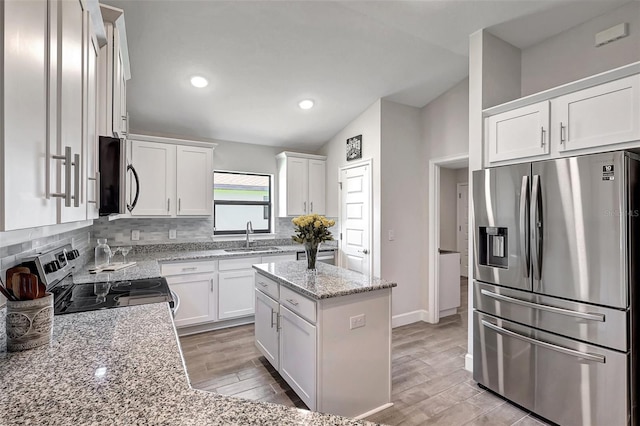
239	198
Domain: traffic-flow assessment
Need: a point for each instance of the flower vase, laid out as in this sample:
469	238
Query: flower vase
311	250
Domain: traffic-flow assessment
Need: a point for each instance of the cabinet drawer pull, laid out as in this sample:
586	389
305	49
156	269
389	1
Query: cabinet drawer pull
292	301
263	284
192	268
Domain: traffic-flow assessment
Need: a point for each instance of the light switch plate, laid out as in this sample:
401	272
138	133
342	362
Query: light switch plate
135	235
173	233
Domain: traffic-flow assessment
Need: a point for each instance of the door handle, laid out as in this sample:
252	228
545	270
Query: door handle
561	349
168	204
311	207
137	179
273	322
96	181
584	315
562	135
179	204
304	206
535	228
76	180
364	251
211	285
524	220
66	161
542	138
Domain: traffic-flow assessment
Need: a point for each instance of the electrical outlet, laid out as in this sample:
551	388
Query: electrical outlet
135	235
392	235
173	234
357	321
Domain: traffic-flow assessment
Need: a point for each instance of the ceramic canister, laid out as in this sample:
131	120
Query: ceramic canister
29	323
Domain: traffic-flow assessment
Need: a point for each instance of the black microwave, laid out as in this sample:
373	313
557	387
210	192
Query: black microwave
114	169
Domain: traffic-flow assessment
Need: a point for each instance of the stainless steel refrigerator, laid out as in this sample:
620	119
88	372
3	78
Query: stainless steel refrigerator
555	294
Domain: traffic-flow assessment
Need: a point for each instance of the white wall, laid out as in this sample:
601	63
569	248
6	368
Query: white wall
448	208
449	180
445	133
445	123
367	125
403	205
572	55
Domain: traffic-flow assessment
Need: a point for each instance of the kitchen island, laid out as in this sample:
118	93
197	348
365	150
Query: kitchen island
328	333
122	367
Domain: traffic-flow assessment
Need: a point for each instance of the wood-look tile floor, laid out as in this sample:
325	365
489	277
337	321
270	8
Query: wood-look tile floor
429	383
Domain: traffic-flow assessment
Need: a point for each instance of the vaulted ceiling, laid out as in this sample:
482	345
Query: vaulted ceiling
262	57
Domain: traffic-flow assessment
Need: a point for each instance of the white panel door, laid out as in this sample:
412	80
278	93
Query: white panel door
236	296
266	328
155	164
197	296
463	228
298	355
297	186
91	134
521	133
70	100
317	186
602	115
355	213
194	180
24	139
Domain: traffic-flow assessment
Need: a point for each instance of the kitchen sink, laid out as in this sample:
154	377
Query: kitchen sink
251	249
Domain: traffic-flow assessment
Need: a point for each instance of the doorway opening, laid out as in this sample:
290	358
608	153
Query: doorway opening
448	234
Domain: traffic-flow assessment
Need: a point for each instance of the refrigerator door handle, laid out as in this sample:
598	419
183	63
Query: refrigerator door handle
583	315
524	220
561	349
535	228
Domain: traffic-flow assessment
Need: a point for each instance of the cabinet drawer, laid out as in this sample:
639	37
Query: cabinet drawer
167	269
298	303
279	257
267	286
238	263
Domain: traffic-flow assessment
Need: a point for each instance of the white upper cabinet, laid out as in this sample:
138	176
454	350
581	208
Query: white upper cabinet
194	180
175	180
317	186
520	133
113	76
24	171
301	184
601	115
595	114
91	130
49	114
155	164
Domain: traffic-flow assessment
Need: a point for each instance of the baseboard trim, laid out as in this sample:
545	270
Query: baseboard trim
375	410
468	362
409	318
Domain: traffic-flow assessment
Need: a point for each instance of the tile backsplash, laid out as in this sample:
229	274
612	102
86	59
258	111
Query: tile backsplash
156	230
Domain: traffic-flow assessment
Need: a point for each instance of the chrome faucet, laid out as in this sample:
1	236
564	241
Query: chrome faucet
249	231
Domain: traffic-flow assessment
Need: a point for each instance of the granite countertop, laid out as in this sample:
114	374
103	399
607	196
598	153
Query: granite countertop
122	366
328	281
147	265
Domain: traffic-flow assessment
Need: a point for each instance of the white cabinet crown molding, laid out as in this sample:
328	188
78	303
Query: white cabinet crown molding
584	83
115	16
171	141
285	154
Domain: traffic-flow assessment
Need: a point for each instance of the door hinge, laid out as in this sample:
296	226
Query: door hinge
340	183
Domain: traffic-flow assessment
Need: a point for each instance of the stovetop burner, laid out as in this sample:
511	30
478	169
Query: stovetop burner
106	295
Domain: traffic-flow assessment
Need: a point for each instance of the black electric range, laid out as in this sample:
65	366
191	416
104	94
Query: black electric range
106	295
55	269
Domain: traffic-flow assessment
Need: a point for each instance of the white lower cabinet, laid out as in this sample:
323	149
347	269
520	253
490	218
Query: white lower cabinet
266	327
197	298
298	355
195	284
333	364
235	293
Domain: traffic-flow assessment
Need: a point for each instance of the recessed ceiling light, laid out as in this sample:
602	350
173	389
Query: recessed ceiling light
306	104
199	82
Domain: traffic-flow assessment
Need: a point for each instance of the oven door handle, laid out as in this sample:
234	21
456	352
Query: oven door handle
176	303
